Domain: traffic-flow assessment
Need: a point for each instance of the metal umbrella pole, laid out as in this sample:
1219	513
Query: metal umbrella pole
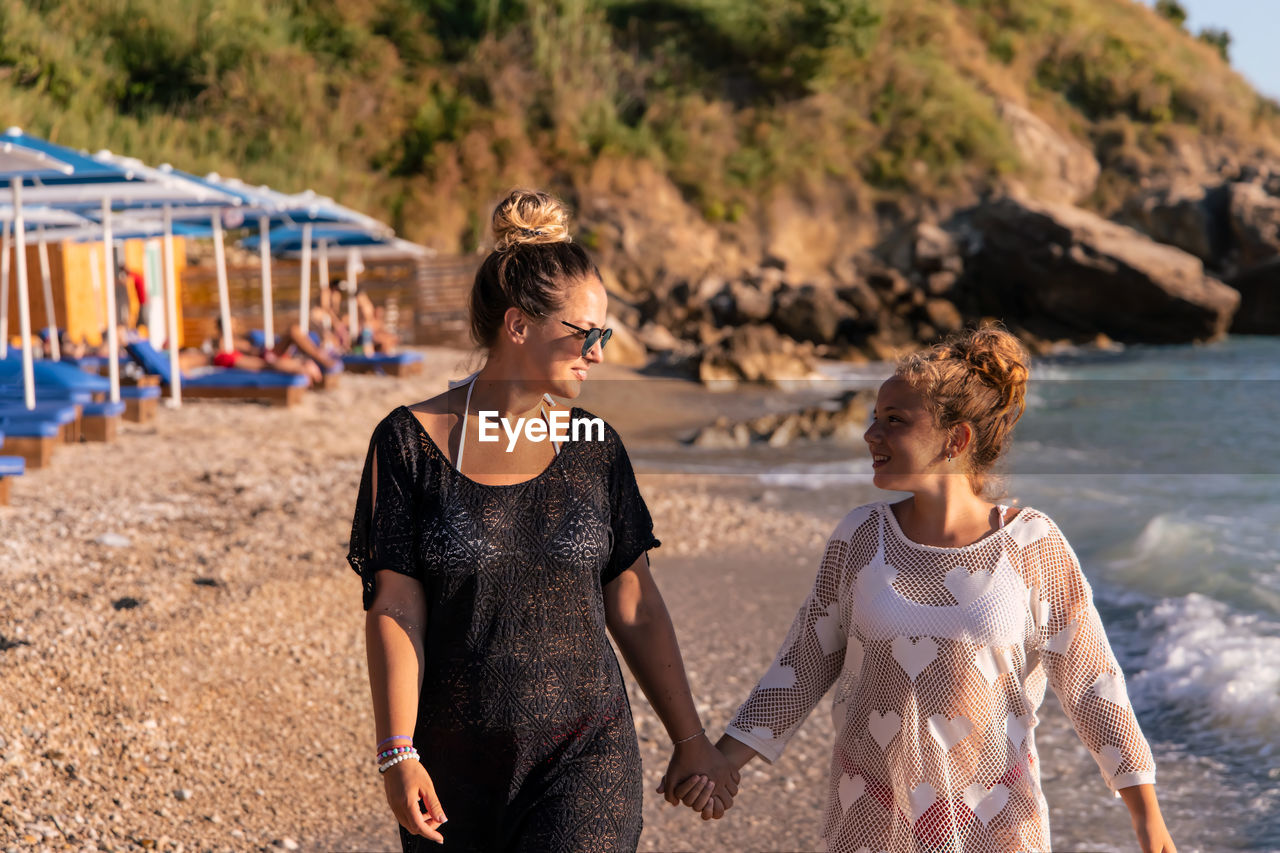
171	310
354	267
4	290
268	309
305	299
46	281
325	295
109	280
224	296
24	306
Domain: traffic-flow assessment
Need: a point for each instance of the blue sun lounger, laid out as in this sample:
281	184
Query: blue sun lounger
10	466
400	364
31	436
96	419
328	377
283	389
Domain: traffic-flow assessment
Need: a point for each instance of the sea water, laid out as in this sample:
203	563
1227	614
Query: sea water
1161	464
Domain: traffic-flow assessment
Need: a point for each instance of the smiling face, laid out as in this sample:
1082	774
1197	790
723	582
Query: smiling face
553	351
906	448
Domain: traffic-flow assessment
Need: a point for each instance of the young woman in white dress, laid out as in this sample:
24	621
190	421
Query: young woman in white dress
940	619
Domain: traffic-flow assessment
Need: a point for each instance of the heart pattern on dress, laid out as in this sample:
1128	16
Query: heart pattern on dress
914	655
1108	758
884	727
849	790
984	659
1060	643
779	676
827	627
968	588
1015	728
1110	686
853	657
922	799
949	732
986	804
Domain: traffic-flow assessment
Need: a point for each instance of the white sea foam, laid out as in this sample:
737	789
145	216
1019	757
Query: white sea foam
1218	667
817	476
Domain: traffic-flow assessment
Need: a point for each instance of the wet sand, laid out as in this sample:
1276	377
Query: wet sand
183	666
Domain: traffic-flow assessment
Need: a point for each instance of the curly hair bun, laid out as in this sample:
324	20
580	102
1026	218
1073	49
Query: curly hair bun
529	218
996	355
999	360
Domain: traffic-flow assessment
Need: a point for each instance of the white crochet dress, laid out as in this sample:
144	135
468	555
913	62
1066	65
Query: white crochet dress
940	658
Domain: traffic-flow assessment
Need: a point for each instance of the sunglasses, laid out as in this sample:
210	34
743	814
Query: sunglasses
592	335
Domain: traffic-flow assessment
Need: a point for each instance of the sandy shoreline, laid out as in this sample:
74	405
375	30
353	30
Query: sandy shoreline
228	707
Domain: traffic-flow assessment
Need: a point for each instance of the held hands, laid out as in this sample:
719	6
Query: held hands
406	783
700	777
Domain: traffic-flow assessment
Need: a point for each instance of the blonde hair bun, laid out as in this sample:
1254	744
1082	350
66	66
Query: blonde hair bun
979	377
529	218
999	358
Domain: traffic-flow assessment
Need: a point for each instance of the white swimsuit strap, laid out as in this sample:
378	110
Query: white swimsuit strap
466	413
1002	509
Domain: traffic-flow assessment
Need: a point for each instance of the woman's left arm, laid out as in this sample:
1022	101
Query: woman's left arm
1084	673
1148	823
641	626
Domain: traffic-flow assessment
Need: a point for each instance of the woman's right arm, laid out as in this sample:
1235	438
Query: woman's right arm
393	638
394	627
806	665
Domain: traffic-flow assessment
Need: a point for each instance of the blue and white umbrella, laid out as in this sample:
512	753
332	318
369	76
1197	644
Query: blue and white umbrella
39	216
104	182
19	163
290	241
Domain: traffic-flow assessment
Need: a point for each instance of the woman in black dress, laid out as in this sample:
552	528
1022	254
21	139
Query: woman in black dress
491	570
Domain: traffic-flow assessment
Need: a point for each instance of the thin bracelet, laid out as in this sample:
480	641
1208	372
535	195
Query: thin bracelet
698	733
394	737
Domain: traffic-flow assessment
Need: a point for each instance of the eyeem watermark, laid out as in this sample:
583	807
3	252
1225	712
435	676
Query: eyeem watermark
562	428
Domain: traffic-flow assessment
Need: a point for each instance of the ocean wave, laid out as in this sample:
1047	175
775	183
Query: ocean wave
1218	667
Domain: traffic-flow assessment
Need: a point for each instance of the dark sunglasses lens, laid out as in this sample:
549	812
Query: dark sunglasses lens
604	339
592	337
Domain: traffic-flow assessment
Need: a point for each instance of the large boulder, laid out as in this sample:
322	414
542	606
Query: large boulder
1255	224
810	313
740	302
1230	226
1192	217
1065	272
625	347
841	419
1064	169
1259	312
755	354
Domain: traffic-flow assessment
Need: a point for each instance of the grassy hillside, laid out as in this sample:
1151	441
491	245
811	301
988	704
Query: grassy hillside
422	110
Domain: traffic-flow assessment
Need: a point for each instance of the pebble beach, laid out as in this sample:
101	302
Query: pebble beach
182	660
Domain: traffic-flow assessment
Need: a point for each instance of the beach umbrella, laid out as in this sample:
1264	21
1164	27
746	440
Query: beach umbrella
32	216
19	164
106	182
288	239
310	213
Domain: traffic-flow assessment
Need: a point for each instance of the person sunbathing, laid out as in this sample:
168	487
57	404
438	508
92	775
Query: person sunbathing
372	335
246	355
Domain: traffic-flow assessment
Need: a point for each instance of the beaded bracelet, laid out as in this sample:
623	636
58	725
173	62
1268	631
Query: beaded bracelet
698	733
387	765
382	756
393	737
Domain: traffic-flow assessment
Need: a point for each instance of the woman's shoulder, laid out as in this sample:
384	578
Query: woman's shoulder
1031	525
400	430
857	520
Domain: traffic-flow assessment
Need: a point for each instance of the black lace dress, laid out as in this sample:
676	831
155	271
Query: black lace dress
523	719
